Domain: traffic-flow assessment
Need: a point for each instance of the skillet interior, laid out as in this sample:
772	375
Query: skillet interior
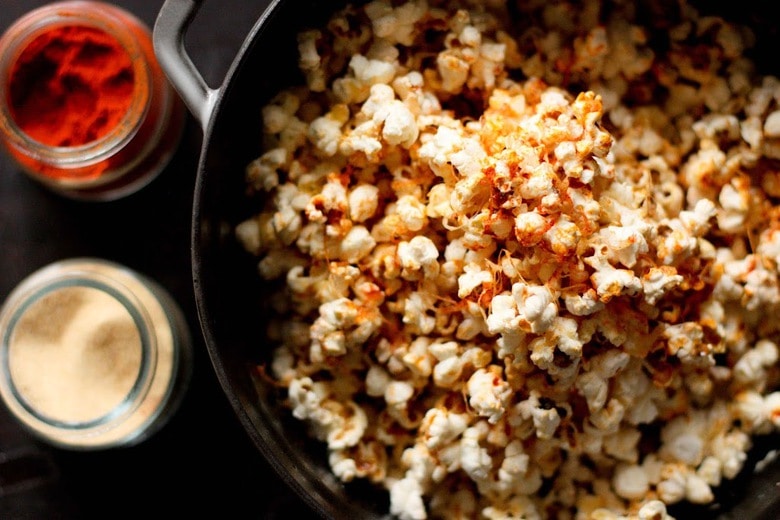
230	295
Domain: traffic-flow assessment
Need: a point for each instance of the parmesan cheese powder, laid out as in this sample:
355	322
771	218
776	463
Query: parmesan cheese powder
75	354
93	355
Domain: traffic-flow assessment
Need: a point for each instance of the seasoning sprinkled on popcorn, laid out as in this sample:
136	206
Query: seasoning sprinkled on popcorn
527	254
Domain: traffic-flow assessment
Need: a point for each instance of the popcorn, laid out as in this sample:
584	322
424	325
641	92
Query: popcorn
505	260
357	244
630	482
363	201
488	393
751	366
262	172
325	131
406	500
419	254
536	309
623	244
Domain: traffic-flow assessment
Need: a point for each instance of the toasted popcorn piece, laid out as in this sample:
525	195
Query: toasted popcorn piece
623	244
488	393
563	236
611	282
583	304
658	281
530	228
518	506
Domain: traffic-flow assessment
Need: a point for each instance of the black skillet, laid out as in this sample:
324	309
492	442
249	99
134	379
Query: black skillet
230	295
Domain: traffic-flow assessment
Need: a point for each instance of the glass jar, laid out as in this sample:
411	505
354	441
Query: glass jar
121	158
92	354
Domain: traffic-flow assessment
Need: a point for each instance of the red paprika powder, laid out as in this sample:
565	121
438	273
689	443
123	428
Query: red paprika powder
85	108
70	86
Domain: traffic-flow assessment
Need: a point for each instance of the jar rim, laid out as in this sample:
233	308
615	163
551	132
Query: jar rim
99	16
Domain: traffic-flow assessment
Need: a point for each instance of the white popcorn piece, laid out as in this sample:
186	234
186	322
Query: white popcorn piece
772	125
357	244
472	278
536	308
411	212
325	131
672	488
630	482
503	314
262	172
697	490
377	381
406	500
418	312
419	254
395	23
751	367
474	458
654	510
441	427
611	282
594	389
658	281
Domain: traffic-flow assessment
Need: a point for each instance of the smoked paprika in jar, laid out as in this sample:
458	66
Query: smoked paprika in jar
85	108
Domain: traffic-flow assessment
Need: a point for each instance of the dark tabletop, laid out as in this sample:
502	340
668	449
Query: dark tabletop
202	461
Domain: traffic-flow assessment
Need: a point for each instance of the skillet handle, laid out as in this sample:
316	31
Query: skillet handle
172	22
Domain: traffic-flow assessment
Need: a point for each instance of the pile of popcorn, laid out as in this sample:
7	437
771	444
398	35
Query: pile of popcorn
527	254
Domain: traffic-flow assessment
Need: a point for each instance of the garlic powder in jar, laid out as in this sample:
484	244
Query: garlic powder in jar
92	354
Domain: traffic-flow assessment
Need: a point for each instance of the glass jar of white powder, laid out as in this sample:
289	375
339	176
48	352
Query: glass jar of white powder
92	354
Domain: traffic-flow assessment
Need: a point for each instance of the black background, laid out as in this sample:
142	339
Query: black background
202	462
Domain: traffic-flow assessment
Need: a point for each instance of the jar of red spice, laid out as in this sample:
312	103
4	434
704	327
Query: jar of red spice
84	107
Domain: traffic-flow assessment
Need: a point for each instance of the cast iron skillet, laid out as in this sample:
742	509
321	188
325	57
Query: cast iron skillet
230	295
